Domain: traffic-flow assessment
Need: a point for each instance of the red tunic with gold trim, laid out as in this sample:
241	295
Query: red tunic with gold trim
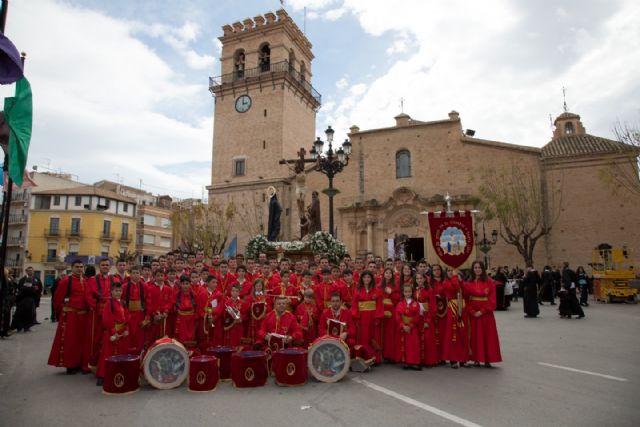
160	304
185	307
285	324
454	334
258	307
307	315
323	291
342	315
115	323
294	296
441	313
135	298
407	314
210	307
391	296
70	306
426	297
367	312
233	329
97	291
226	282
484	341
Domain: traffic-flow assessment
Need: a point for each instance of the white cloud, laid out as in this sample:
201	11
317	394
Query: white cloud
335	14
99	98
342	83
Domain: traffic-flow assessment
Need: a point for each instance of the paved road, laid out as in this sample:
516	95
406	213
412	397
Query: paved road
519	392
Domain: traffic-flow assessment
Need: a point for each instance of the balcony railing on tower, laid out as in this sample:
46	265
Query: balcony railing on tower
262	71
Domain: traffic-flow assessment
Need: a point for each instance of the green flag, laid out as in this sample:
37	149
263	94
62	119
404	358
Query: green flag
18	112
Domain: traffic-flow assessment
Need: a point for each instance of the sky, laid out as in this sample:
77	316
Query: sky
121	87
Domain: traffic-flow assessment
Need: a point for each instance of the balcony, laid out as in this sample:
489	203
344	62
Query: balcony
15	241
262	71
125	237
52	232
73	234
17	219
107	236
19	197
49	259
14	263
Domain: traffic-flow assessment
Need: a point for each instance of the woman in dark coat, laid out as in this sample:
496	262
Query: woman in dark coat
25	307
530	284
582	281
7	299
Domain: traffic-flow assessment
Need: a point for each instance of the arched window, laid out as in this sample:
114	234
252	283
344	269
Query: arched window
292	60
568	128
403	164
238	64
303	71
265	58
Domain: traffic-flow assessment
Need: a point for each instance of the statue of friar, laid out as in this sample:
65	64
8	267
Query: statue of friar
313	213
274	215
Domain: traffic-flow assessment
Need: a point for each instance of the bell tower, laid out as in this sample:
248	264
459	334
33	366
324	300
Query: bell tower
265	106
265	110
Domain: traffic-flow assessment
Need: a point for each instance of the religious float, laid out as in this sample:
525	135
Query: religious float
320	242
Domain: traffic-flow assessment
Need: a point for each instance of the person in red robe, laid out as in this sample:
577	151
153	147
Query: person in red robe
437	283
226	279
390	287
97	292
160	306
244	280
480	295
210	306
71	308
336	321
258	307
349	286
408	318
425	296
307	315
185	306
324	289
115	334
235	312
368	312
454	338
282	323
135	296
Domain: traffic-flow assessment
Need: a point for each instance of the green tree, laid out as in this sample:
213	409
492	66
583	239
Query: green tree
203	226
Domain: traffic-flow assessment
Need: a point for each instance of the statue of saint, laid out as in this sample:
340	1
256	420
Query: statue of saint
274	215
313	214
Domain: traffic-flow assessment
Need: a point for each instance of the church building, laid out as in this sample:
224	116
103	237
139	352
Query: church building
265	111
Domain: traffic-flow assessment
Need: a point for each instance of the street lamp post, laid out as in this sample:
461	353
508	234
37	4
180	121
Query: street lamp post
330	163
485	245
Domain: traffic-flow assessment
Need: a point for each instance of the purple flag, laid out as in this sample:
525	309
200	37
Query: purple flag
10	62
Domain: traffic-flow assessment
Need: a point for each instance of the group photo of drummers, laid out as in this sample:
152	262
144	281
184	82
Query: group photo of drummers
415	316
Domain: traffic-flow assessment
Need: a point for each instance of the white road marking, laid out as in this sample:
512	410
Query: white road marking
566	368
416	403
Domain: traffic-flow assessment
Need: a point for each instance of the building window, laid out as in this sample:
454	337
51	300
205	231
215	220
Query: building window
125	207
265	58
78	200
56	200
238	64
124	232
104	252
403	164
148	220
238	167
165	223
106	228
149	239
568	128
75	226
303	71
165	242
74	249
43	202
54	226
52	254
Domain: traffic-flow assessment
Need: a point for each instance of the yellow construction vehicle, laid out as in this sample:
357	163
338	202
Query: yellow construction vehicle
612	272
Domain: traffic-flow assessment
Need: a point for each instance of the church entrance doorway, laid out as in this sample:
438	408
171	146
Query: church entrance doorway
414	249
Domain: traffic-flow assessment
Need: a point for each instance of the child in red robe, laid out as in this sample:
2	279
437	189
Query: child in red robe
135	296
367	312
408	318
307	315
210	306
185	307
425	296
115	330
258	307
234	313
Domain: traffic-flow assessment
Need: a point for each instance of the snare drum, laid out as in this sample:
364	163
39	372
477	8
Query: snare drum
165	364
328	359
249	369
223	354
290	366
121	374
203	373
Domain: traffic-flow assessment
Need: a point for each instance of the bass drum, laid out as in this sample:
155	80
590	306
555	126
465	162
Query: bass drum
328	359
166	364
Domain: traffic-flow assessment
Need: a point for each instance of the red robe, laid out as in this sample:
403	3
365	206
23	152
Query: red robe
233	331
391	296
454	335
97	291
323	291
135	297
185	307
367	312
210	307
115	322
441	312
408	343
484	342
285	324
257	307
226	282
161	301
343	316
426	297
307	316
68	349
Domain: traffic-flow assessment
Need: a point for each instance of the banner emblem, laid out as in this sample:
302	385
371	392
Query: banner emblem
452	237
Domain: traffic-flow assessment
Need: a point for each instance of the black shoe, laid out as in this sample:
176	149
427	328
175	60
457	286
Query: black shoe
454	365
405	367
71	371
416	367
488	365
99	382
476	365
465	365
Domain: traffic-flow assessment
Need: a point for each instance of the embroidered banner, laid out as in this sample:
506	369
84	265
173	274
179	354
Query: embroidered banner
452	236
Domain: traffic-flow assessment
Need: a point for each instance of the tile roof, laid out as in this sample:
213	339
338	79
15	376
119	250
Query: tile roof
87	190
584	145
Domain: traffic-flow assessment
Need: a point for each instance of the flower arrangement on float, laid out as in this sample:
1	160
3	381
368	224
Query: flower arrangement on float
319	242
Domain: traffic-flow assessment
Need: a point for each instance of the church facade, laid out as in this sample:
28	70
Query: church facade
265	110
